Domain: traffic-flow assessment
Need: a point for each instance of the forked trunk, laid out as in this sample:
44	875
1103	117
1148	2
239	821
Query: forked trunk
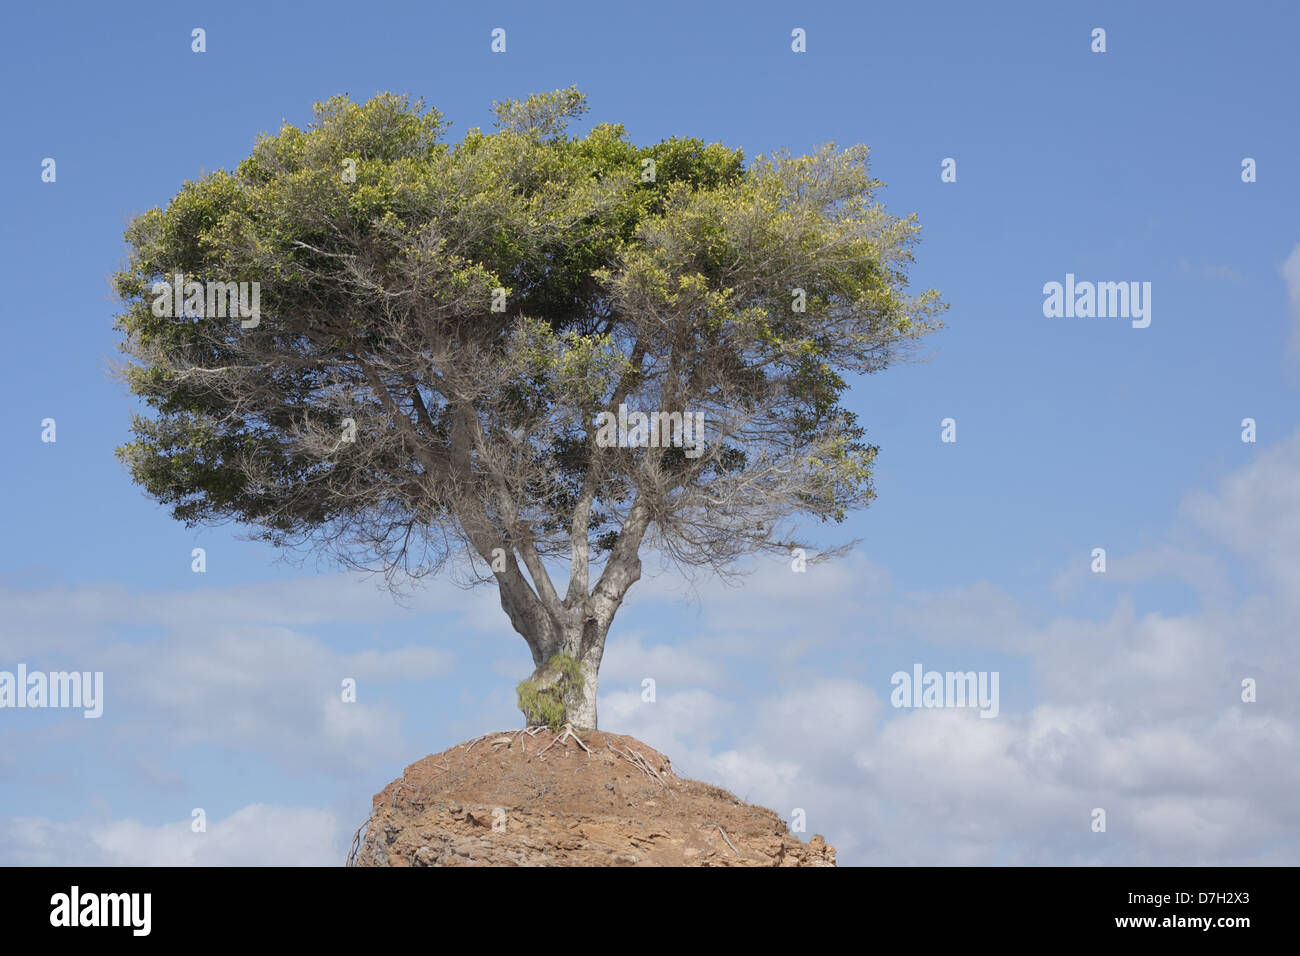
567	637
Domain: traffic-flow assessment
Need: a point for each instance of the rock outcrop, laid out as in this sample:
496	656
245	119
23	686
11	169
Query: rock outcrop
542	799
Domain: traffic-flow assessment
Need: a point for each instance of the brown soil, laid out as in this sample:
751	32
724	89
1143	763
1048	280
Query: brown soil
499	800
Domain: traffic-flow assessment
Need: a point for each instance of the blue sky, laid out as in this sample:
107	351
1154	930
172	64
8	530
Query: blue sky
1119	690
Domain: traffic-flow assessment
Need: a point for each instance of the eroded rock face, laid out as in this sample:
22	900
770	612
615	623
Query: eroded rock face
514	799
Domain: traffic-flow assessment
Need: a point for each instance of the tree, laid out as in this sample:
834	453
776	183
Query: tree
438	345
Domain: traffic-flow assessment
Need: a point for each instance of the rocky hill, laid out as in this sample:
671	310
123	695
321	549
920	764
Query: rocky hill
536	798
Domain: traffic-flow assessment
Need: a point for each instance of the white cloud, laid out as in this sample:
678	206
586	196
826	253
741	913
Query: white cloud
1256	512
218	674
257	835
1138	714
628	659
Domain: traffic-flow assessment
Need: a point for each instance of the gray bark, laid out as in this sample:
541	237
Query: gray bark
579	625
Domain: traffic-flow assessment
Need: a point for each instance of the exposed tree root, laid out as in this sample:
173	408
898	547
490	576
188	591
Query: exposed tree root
568	732
357	839
635	758
504	739
728	839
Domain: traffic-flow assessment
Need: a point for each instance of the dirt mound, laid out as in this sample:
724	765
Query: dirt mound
520	798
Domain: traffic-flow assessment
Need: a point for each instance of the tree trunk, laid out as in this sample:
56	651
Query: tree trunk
586	646
582	703
575	627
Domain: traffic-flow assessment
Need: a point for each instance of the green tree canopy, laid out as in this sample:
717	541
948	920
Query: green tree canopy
441	335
